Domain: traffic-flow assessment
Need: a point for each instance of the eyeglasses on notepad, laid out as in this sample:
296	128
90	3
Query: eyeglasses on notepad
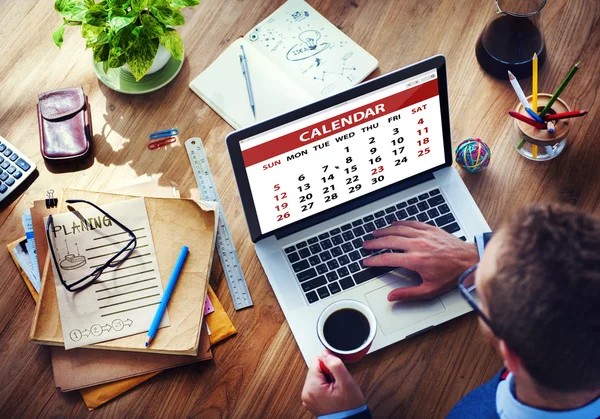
113	262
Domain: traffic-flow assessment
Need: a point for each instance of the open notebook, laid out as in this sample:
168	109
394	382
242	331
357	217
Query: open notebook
295	57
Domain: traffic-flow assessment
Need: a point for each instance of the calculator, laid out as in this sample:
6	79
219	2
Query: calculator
15	167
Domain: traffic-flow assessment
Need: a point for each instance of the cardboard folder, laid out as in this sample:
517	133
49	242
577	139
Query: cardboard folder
81	368
174	223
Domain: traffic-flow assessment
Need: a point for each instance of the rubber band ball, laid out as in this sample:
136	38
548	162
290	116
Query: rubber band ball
473	155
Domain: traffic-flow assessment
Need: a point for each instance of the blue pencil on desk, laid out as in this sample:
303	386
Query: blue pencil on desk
167	294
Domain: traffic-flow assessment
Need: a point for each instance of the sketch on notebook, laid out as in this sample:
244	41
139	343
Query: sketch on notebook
309	46
72	261
341	71
302	42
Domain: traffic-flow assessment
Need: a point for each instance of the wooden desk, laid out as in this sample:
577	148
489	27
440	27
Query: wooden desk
260	372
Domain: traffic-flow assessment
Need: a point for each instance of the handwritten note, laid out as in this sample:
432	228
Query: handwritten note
123	299
310	49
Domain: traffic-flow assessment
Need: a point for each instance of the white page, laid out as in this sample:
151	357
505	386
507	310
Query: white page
26	264
123	301
311	50
223	87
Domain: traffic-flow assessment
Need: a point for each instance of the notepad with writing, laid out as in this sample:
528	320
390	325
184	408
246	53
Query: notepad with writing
173	222
295	57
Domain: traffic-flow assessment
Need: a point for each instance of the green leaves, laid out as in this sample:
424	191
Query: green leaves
57	35
97	15
71	10
178	4
139	5
94	36
125	31
140	56
116	57
152	28
172	43
101	53
118	19
163	12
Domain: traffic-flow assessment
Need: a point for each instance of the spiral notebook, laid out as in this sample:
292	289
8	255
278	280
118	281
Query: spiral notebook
295	57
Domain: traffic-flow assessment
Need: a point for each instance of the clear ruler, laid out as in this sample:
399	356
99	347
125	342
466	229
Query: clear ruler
227	253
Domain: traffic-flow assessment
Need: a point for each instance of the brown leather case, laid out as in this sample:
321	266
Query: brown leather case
64	124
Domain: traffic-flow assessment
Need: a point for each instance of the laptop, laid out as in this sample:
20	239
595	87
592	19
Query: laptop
316	182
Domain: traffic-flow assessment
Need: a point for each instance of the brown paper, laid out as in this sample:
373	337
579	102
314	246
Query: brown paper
80	368
221	328
174	223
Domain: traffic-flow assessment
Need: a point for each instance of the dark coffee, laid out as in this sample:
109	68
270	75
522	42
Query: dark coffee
508	43
346	329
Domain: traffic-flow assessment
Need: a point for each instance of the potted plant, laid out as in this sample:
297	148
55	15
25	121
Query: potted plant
125	31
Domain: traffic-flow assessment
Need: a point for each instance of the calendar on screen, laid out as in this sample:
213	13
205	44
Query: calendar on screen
345	152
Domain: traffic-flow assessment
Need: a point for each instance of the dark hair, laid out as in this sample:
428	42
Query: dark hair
545	297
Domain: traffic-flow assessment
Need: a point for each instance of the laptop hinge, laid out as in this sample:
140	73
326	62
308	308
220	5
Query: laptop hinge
349	206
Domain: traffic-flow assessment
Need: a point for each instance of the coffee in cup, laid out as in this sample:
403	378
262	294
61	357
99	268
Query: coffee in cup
347	329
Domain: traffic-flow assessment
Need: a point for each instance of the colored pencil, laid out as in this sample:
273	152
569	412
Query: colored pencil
560	89
551	127
521	144
166	295
534	83
517	87
564	115
527	120
534	115
326	372
534	151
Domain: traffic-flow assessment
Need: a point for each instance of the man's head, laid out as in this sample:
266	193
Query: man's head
539	283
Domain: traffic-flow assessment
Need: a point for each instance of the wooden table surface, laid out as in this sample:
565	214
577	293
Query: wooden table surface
260	372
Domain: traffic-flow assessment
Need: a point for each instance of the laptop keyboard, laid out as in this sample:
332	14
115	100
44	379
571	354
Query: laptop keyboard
331	262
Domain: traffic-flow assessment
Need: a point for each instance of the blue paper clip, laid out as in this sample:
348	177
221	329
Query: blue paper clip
163	134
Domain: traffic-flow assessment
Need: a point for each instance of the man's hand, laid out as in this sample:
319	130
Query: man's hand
323	397
434	254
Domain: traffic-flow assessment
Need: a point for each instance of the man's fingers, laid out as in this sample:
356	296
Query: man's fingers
387	242
417	225
315	376
419	292
398	230
337	368
397	260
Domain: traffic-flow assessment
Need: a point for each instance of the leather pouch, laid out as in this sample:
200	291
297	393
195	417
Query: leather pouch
64	124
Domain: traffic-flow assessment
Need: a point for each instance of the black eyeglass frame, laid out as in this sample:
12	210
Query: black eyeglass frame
113	262
466	294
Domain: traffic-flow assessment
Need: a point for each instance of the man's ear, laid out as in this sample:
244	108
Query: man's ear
511	360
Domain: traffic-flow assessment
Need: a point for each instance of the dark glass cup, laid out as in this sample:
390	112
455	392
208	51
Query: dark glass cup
511	37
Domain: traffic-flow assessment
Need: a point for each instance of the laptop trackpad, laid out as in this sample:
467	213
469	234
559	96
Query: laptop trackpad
392	317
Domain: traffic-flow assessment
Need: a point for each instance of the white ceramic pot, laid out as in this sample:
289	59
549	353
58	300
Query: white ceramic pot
161	59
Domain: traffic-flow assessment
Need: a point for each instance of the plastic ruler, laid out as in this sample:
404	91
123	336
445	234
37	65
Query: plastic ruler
227	253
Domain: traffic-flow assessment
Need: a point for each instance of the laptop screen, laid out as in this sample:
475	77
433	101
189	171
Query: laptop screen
344	152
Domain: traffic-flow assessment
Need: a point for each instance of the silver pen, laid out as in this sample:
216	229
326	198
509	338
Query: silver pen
246	73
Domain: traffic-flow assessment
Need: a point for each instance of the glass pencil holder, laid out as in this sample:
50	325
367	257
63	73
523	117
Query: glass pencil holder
541	144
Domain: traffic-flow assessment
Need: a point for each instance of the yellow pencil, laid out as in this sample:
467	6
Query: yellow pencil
534	84
534	97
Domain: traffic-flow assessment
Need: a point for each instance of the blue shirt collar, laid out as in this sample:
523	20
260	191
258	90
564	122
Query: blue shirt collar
508	407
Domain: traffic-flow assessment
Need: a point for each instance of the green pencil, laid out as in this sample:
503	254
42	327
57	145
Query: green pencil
560	89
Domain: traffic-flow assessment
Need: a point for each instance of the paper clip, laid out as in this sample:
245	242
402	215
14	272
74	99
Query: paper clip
161	143
163	134
51	201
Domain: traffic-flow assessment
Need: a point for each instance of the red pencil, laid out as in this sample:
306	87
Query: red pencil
572	114
325	370
527	120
